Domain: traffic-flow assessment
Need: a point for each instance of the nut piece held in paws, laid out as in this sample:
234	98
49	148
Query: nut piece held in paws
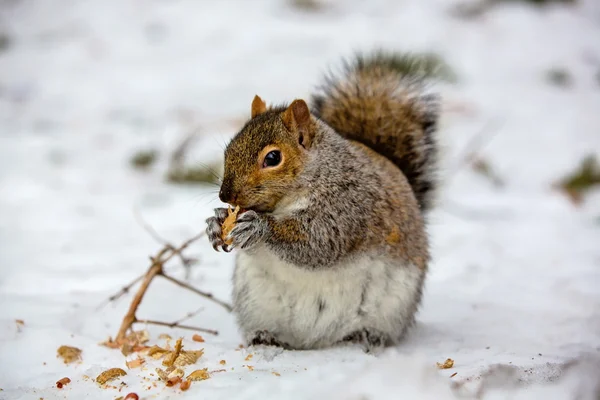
228	224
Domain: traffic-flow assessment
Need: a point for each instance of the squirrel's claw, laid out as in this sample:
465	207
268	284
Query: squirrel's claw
213	228
249	229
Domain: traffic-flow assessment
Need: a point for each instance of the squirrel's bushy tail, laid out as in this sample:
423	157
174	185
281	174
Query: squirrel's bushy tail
381	101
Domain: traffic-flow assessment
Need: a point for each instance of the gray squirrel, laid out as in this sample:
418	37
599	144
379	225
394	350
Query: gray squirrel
331	239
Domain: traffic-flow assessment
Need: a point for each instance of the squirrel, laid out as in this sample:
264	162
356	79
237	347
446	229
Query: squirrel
331	237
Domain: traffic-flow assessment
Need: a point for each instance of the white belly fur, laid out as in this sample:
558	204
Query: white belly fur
270	294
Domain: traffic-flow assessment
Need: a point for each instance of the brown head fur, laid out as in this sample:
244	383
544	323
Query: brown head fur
247	182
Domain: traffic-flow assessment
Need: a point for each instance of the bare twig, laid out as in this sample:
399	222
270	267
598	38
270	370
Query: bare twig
177	325
124	290
467	156
475	145
157	269
198	292
150	230
185	261
189	315
130	317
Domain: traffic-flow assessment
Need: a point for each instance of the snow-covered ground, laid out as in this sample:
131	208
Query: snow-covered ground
515	279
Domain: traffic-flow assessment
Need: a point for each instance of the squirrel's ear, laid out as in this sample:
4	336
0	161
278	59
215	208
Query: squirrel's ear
296	118
258	106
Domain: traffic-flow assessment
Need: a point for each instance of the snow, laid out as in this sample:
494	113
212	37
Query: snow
513	295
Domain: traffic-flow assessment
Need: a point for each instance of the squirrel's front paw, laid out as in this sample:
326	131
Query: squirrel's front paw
250	228
213	228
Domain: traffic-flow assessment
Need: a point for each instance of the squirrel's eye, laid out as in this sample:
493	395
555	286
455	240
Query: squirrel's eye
272	159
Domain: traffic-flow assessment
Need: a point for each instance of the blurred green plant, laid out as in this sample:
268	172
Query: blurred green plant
584	178
307	5
144	159
559	77
484	168
196	174
5	42
536	2
476	9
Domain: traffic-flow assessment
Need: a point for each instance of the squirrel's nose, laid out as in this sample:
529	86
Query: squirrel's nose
226	194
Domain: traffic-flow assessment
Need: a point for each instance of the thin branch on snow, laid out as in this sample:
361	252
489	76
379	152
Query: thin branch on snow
177	325
189	315
475	145
467	156
130	318
151	231
157	269
124	290
187	262
198	292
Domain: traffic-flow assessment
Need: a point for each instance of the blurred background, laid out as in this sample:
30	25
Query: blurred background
116	112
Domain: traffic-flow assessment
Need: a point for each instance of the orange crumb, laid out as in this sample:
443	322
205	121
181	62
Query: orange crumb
173	381
197	338
62	382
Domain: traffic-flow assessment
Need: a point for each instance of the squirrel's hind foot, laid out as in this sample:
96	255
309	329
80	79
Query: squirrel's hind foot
266	338
371	341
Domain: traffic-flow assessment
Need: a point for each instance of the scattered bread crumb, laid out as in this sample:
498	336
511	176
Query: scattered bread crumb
157	352
165	336
126	349
62	382
170	359
109	375
140	336
250	367
188	357
69	354
248	357
138	362
132	342
162	375
185	385
449	363
197	338
276	373
199	375
453	375
176	372
173	381
222	362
